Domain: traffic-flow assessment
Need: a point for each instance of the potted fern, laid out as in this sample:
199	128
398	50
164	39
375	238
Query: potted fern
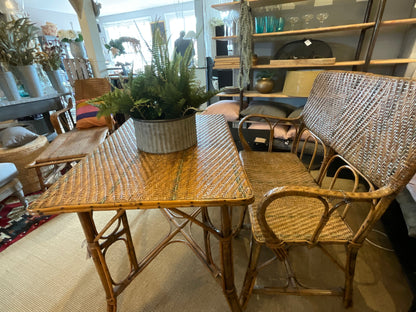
162	100
17	48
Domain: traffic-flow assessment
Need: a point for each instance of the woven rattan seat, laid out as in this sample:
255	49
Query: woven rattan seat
365	124
285	169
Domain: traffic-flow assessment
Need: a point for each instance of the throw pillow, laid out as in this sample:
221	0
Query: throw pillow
280	132
295	113
291	133
16	136
229	108
266	108
87	116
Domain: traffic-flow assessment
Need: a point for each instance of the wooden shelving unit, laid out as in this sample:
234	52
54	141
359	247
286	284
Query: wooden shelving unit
362	64
253	3
349	27
251	94
337	64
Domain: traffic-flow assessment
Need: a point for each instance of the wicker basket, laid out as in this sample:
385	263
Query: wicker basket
23	155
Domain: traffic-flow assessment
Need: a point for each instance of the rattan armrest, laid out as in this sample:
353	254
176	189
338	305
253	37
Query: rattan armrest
63	115
272	122
324	195
55	119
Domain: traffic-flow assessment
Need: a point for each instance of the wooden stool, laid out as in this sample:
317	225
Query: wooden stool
66	148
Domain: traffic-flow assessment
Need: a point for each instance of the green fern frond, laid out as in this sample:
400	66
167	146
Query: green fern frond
167	89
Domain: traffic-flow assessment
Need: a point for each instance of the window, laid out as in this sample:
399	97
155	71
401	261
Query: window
176	22
138	29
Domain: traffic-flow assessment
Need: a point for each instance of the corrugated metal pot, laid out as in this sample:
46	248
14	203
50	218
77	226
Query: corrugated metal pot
165	136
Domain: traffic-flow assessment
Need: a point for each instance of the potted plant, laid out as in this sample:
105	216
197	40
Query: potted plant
265	83
75	41
7	81
18	48
50	60
162	100
116	46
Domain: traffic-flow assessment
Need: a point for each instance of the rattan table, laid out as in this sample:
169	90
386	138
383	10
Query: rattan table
117	177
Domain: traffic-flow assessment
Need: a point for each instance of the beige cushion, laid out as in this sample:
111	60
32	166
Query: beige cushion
295	113
280	132
16	136
275	109
229	108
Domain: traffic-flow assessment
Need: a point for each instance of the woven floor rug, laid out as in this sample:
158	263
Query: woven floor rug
16	222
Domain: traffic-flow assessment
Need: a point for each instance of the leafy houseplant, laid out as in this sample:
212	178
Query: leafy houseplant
16	41
17	49
74	40
50	60
69	36
165	90
50	56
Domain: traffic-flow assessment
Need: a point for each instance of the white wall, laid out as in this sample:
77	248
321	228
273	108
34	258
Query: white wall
62	20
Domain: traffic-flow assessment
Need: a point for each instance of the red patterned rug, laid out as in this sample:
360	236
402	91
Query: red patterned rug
16	222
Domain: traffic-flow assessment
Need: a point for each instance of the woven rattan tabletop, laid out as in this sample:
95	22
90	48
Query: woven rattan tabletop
117	176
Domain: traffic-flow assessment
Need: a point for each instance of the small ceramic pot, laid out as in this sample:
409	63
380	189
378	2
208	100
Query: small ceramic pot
264	85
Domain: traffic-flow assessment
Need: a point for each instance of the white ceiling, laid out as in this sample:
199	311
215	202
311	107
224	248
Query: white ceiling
108	7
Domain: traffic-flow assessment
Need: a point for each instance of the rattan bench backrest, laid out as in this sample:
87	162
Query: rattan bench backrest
368	119
86	89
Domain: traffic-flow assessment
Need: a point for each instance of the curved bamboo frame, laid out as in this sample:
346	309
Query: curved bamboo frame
361	119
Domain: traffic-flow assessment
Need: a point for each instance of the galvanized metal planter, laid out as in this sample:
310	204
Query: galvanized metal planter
165	136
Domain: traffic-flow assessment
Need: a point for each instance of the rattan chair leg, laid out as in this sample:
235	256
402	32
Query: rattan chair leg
251	274
349	275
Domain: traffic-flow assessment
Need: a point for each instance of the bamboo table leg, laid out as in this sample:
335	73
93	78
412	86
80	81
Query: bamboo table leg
94	249
226	254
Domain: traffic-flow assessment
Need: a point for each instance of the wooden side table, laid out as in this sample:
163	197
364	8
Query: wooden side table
67	148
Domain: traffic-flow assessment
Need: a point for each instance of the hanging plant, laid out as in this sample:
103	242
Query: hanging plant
116	46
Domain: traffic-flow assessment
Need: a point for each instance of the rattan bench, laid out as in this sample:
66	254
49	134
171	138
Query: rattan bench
366	125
